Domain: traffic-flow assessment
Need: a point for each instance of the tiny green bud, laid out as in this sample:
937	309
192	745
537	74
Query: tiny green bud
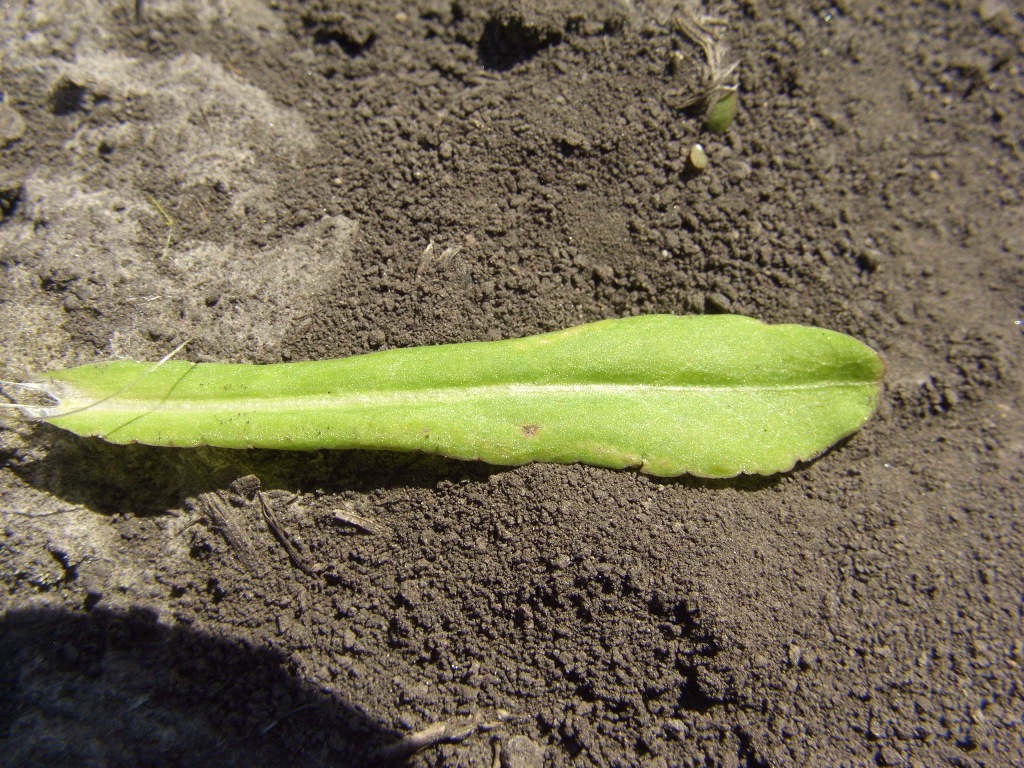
720	116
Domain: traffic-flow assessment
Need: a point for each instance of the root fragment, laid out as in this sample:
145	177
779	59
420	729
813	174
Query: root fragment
447	732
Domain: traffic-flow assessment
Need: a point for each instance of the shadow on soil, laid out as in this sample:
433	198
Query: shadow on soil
121	689
145	480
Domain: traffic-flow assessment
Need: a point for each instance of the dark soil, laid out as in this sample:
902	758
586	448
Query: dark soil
287	180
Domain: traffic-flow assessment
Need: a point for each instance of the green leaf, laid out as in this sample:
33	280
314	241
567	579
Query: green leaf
712	396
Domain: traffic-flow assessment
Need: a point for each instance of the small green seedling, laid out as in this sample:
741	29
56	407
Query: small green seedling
713	396
717	97
720	115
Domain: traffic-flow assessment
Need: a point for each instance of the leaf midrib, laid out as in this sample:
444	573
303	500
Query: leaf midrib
435	395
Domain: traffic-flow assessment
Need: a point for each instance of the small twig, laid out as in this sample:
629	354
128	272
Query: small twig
361	522
62	511
277	528
448	732
225	519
